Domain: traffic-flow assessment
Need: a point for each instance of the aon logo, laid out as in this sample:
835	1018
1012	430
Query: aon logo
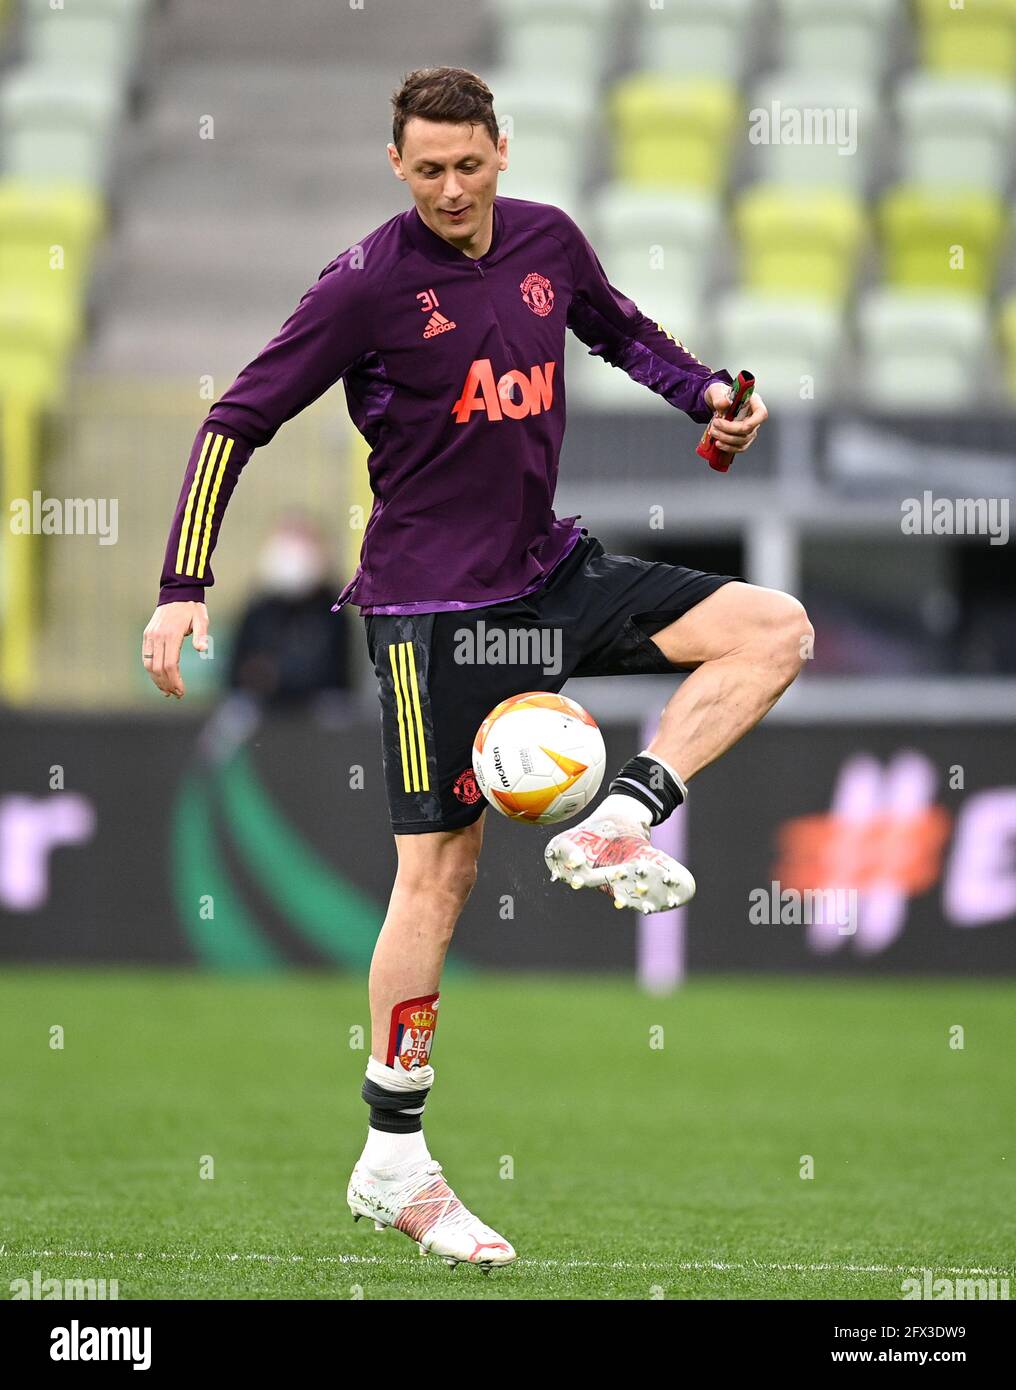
514	395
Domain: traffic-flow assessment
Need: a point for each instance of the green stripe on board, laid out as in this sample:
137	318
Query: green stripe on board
337	917
229	940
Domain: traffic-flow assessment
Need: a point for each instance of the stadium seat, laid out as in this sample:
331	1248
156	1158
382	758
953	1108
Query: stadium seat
646	237
934	240
29	374
799	243
850	37
794	347
34	218
1007	332
546	124
595	385
979	38
556	38
920	350
58	126
956	131
799	122
698	38
678	134
101	37
41	322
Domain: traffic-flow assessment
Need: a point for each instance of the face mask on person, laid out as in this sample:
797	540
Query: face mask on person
291	566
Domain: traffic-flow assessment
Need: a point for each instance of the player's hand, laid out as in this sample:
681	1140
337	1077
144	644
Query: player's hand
162	642
734	436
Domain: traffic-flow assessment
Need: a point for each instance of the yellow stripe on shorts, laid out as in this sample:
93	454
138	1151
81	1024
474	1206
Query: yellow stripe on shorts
409	714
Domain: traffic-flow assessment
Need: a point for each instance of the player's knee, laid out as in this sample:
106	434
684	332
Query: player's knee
447	870
793	636
458	880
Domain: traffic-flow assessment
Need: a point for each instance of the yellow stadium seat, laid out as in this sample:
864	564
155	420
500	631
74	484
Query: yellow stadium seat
1007	329
673	134
799	242
37	320
980	37
37	332
31	376
941	239
44	227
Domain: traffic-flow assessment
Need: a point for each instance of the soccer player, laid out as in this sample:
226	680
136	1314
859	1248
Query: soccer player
447	327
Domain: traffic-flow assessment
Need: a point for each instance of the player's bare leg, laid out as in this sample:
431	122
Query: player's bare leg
396	1182
747	645
744	644
435	876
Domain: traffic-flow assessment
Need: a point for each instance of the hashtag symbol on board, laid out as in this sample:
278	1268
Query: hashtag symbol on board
884	837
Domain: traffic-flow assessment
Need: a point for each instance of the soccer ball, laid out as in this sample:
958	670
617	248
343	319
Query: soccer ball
539	757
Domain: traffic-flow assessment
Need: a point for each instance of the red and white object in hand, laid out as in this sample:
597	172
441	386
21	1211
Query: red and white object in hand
740	395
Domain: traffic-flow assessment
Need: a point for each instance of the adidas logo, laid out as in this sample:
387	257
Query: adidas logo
437	323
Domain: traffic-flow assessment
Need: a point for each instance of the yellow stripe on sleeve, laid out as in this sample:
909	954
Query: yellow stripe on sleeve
182	547
219	474
202	499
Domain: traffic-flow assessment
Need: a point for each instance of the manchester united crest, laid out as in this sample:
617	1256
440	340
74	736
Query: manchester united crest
538	293
465	787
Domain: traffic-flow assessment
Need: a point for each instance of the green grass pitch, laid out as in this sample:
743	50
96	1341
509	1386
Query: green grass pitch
617	1168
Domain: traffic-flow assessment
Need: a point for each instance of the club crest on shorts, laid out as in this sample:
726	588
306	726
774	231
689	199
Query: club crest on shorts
538	293
465	788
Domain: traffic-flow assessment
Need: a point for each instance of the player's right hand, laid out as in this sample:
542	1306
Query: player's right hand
162	642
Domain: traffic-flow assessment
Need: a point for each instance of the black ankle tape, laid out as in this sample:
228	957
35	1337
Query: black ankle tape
390	1110
649	782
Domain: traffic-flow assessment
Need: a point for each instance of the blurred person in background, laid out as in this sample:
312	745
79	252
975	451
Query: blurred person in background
290	647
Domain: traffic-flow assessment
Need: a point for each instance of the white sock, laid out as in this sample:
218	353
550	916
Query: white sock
383	1150
623	807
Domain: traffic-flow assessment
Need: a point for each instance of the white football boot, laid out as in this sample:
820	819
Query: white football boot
423	1207
618	858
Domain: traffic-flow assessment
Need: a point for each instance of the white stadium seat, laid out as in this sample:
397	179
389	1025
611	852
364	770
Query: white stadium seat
647	237
793	347
843	36
922	350
798	123
956	132
697	38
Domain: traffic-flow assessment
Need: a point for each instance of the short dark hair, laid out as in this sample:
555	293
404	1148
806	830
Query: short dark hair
455	95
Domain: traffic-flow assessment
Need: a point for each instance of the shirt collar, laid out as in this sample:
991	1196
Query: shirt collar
436	248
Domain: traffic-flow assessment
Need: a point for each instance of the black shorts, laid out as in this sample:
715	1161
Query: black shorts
440	674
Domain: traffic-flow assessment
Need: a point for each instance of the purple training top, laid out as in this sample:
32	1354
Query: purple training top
453	370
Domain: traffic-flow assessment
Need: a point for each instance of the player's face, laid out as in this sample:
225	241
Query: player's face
452	174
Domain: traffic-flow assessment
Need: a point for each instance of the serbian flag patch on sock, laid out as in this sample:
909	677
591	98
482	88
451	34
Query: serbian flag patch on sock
412	1032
